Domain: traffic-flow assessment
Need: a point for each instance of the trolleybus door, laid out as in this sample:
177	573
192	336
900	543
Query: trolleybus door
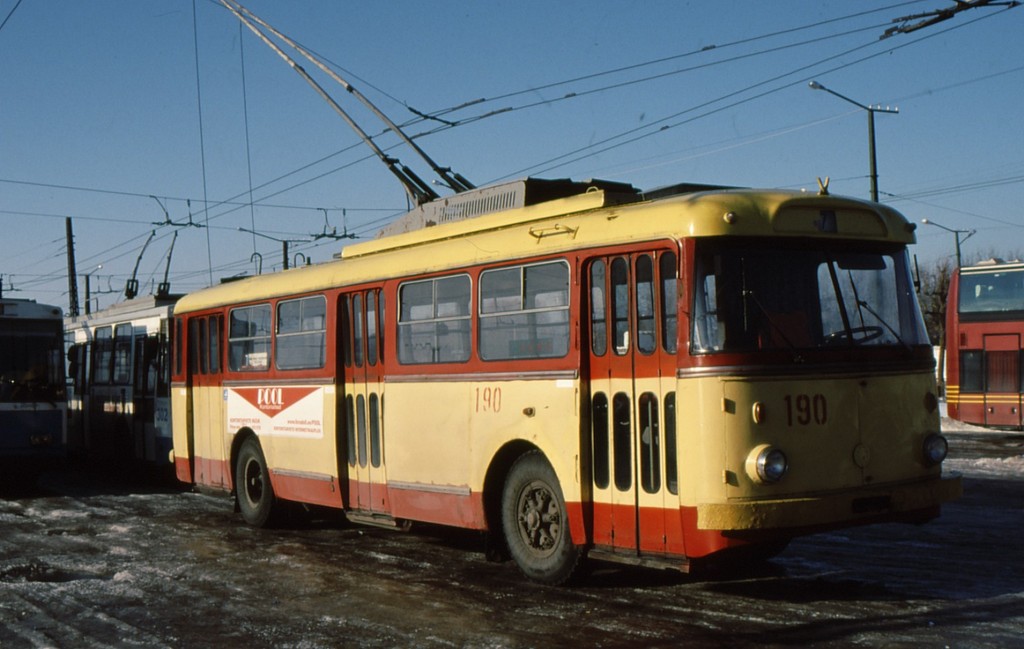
208	415
362	447
1002	380
109	433
632	331
144	397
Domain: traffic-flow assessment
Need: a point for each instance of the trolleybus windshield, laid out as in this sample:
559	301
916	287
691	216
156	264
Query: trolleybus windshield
749	297
30	361
993	291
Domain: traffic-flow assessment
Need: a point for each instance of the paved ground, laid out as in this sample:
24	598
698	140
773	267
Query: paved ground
87	560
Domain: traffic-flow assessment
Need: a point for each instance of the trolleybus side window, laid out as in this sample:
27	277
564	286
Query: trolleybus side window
434	320
361	427
204	344
622	441
249	338
122	354
357	329
178	346
214	344
524	312
104	351
371	328
671	470
375	450
302	333
599	409
645	328
598	321
669	296
144	350
620	305
350	428
193	345
345	324
650	443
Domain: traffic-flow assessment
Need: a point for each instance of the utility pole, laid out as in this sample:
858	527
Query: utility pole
72	275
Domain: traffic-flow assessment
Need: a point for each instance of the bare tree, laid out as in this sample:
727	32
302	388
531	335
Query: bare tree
933	289
932	293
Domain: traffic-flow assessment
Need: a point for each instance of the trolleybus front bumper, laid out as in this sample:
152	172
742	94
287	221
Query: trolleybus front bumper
912	501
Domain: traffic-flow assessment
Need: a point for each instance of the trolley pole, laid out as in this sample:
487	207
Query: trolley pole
871	110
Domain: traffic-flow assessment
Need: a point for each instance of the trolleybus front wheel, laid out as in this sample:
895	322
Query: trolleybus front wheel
535	523
255	496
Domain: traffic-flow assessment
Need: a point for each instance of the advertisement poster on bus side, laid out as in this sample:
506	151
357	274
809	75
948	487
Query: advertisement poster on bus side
286	411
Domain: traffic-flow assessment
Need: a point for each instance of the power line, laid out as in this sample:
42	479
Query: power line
9	14
202	146
561	159
230	201
207	205
450	124
965	187
250	203
702	50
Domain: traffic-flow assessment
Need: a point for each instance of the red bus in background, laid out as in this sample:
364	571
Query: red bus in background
984	333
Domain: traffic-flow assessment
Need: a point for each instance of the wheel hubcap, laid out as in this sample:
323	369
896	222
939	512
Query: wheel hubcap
253	482
540	521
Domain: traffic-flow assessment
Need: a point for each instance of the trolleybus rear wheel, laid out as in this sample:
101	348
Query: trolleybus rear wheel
535	523
255	496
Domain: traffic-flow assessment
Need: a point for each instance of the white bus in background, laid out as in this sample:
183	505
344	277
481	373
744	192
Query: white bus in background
119	376
33	410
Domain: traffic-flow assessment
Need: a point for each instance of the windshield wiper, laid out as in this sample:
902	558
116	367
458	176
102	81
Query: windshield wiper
861	304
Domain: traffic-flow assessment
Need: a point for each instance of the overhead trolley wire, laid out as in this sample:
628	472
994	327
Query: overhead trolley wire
202	146
643	64
593	150
10	13
208	204
446	124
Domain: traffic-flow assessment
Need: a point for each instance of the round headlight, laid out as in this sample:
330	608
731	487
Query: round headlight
935	448
771	464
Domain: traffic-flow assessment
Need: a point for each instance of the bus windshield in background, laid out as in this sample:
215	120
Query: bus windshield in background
992	292
30	361
750	296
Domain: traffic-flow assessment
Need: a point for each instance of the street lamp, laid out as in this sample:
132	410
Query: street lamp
956	235
871	110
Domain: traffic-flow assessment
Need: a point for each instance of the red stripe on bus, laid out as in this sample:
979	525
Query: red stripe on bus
443	508
315	491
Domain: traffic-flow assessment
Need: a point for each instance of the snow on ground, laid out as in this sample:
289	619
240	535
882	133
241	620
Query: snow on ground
1010	467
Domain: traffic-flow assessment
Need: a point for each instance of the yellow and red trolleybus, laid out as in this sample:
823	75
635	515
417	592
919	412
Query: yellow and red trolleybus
579	370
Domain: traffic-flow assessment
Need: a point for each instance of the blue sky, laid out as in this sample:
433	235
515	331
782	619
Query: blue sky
101	111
